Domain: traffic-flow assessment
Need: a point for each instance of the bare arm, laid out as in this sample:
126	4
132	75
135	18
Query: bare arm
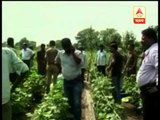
76	58
111	63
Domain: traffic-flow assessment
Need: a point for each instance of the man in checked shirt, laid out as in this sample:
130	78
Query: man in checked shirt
147	76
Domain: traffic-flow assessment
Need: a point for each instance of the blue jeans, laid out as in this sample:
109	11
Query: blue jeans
73	91
116	81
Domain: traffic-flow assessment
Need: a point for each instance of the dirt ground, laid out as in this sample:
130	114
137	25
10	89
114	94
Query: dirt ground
131	114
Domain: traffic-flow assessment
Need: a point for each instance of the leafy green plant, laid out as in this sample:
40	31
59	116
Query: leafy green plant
54	106
131	88
105	108
22	99
35	84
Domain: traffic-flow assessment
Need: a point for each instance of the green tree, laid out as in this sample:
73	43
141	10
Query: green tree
88	38
33	44
138	47
23	40
128	38
76	45
155	28
109	35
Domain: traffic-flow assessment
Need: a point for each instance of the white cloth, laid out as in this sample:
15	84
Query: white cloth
70	69
148	71
9	59
101	58
26	54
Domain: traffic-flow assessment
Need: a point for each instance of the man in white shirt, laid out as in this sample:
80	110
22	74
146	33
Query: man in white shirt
70	62
27	55
10	60
147	76
101	60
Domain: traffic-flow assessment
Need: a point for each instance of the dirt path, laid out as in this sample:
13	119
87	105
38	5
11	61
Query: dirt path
131	113
87	106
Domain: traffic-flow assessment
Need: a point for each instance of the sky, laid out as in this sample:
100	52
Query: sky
43	21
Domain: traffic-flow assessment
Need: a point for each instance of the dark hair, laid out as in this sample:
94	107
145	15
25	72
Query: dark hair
10	41
52	43
66	42
150	33
43	45
114	45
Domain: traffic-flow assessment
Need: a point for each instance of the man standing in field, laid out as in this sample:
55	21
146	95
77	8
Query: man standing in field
10	44
131	63
147	76
70	62
27	54
41	61
10	61
115	70
101	60
52	68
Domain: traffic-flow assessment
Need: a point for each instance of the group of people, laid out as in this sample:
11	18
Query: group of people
146	76
72	63
115	66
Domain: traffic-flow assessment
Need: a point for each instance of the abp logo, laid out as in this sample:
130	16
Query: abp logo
139	15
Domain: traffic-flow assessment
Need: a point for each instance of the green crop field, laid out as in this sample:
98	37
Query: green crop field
30	102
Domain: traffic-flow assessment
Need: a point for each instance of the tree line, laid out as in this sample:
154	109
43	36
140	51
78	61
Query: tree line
90	39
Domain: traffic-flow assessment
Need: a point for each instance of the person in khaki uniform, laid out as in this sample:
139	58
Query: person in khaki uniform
52	68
